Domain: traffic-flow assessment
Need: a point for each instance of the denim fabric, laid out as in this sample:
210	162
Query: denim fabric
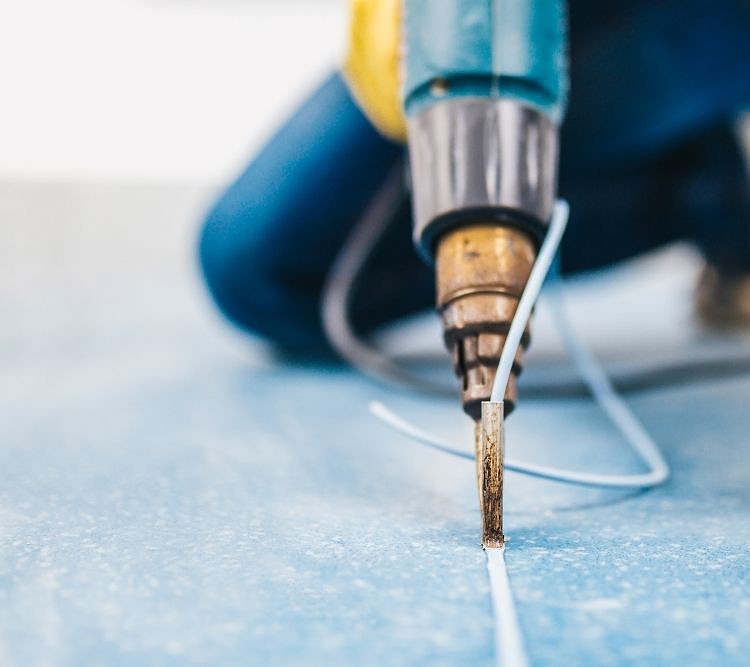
648	156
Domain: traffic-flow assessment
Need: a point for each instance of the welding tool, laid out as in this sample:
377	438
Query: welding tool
483	97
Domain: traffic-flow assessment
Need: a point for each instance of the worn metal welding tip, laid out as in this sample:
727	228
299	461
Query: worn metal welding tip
478	460
491	464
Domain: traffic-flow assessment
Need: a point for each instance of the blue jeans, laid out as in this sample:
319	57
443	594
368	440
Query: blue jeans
648	156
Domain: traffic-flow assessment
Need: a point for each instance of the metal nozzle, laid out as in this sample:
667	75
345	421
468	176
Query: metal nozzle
490	469
482	270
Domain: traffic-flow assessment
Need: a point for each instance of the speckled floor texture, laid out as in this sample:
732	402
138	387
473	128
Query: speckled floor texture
171	495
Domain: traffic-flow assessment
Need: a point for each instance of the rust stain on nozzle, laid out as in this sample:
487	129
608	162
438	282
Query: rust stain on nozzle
490	473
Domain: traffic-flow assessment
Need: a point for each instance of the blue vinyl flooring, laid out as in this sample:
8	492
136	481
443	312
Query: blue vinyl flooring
171	495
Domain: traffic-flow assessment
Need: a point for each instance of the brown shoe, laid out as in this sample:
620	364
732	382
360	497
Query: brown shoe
722	299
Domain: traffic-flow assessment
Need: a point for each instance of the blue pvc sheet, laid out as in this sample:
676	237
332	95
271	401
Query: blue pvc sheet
171	495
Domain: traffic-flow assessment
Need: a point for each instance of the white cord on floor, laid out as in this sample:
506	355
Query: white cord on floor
509	647
590	370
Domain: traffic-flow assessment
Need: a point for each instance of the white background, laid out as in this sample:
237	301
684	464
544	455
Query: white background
153	90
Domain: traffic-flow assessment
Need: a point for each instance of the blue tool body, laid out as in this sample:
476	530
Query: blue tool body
485	48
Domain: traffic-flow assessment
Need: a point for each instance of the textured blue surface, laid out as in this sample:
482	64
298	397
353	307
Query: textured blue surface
172	496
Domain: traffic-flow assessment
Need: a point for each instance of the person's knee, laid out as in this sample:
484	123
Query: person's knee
234	273
220	269
248	275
